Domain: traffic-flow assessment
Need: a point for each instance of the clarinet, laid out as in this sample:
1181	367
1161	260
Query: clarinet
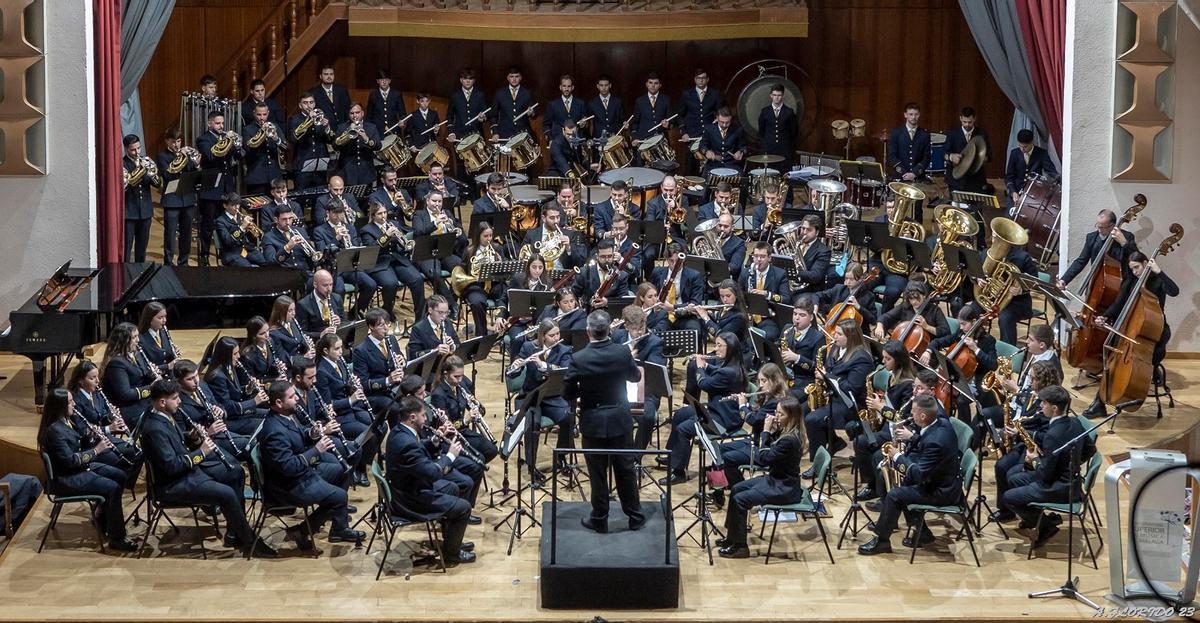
337	454
329	415
213	416
154	371
467	451
174	347
439	418
280	365
113	412
204	437
99	434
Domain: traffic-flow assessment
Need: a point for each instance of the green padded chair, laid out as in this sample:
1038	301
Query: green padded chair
389	521
93	502
967	468
1078	509
806	507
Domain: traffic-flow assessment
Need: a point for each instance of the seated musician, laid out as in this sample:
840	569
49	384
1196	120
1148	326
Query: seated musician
722	203
318	416
394	265
379	362
437	182
982	344
484	250
286	245
455	394
400	206
432	220
772	389
126	374
727	317
279	201
646	298
890	407
617	203
622	243
894	284
799	344
238	246
1027	406
720	376
153	337
197	402
75	453
91	404
733	248
771	197
182	475
645	347
337	198
260	356
321	311
851	291
337	232
1050	480
763	279
495	199
418	481
532	276
340	389
813	256
679	285
535	361
932	320
565	156
669	200
287	336
1123	243
434	331
931	476
847	361
899	429
1024	161
294	471
722	143
356	141
565	312
237	393
782	441
1021	306
560	247
595	274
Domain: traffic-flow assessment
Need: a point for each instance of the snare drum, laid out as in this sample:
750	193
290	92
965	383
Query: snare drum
937	152
395	151
694	148
432	152
722	174
866	193
523	149
656	149
474	152
615	153
761	179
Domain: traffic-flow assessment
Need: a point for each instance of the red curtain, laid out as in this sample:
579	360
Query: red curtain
110	193
1044	26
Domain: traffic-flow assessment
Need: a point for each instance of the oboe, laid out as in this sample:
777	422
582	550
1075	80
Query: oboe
337	454
203	434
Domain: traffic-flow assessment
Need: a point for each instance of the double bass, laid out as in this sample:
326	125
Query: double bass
1128	365
1098	290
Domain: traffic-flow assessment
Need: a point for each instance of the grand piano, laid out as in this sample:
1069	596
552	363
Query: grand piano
79	306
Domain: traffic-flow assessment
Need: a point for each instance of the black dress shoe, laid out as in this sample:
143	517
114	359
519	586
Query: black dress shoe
474	520
875	505
808	474
926	539
594	526
637	524
536	477
662	461
1002	515
351	509
875	546
467	546
722	542
1052	519
674	479
302	538
734	551
231	541
346	536
463	557
866	493
718	498
1095	410
261	549
1027	524
122	545
1045	534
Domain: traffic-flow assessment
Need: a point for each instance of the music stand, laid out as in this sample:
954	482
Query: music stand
577	338
767	350
512	441
863	234
915	252
211	180
528	303
701	512
963	260
860	170
713	270
1056	297
476	349
759	305
351	258
500	222
645	233
433	247
187	183
350	333
616	305
796	214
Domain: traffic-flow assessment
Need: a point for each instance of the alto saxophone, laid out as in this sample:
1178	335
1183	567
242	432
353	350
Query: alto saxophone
815	390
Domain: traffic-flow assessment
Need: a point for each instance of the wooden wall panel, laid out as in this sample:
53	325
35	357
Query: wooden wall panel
865	58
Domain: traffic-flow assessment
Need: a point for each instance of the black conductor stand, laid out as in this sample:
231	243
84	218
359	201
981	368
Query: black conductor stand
703	516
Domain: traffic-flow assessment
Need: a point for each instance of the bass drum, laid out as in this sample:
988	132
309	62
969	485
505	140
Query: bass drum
757	95
1038	211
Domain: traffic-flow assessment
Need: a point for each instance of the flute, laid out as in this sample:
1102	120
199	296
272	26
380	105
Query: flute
735	396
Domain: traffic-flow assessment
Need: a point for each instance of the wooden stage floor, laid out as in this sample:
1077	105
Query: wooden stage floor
71	581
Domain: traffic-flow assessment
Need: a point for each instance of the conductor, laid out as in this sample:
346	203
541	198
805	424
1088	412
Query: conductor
597	376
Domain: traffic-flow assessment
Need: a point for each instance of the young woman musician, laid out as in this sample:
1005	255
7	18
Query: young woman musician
720	375
885	406
772	389
482	251
932	320
259	355
782	442
731	319
455	394
1158	283
337	388
286	333
126	374
532	276
565	312
847	361
153	336
646	298
536	359
74	450
91	404
863	301
240	395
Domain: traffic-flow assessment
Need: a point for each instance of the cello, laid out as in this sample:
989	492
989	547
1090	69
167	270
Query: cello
1128	365
1098	290
964	357
915	342
846	310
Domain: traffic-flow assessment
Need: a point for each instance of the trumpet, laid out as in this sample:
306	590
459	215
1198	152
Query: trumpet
306	246
350	132
391	233
445	224
229	142
246	224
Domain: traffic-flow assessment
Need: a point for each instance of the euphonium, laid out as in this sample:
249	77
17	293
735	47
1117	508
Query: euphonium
788	242
836	233
952	225
907	197
707	242
994	293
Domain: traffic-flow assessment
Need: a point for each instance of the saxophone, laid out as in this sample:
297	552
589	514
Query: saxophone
816	390
994	382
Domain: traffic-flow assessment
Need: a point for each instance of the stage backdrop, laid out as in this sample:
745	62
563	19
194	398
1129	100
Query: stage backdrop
865	58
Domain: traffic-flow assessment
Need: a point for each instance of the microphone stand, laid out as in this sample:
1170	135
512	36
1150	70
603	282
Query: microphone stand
1069	587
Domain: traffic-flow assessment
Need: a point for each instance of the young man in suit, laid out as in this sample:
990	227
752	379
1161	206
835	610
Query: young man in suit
435	332
687	288
375	363
650	111
139	208
769	281
1024	161
596	377
258	95
909	147
1122	245
466	109
608	110
179	207
778	128
510	102
264	144
811	272
956	141
333	99
565	107
587	284
698	106
385	105
310	143
222	162
722	143
356	141
423	118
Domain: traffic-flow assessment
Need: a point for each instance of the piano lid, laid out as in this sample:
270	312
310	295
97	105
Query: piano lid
108	290
223	282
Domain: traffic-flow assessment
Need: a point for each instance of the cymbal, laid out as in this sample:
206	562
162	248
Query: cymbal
765	159
971	157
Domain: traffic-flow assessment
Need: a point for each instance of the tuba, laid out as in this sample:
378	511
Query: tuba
788	242
707	242
994	293
952	225
829	195
907	197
